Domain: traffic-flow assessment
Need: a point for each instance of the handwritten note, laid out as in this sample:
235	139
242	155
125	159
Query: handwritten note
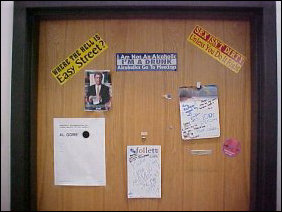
144	171
199	112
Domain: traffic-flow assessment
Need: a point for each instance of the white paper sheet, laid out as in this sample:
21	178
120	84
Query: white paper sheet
199	112
79	160
144	171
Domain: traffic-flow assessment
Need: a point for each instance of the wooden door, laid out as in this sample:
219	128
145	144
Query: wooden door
212	182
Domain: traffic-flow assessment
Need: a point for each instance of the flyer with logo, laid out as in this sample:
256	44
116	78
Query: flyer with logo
144	171
79	151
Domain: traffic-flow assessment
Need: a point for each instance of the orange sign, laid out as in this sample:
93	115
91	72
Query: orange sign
216	48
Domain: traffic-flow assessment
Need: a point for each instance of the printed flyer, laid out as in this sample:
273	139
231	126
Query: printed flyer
144	171
79	151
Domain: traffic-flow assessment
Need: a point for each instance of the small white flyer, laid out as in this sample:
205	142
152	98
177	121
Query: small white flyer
144	171
199	112
79	151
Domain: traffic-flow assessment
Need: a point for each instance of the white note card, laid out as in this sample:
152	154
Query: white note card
144	171
79	151
199	112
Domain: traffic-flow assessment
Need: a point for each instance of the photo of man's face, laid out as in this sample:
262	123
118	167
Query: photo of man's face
98	79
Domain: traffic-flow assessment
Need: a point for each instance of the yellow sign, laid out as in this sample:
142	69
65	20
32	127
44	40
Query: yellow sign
217	49
79	59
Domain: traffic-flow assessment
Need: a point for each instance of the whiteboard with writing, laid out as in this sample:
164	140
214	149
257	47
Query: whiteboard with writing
144	171
199	113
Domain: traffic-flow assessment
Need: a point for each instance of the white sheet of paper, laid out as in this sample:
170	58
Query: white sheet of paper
78	160
199	118
144	171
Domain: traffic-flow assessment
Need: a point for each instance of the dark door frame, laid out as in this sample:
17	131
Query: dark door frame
262	16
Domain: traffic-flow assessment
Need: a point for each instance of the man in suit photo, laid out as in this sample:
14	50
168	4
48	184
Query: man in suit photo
98	94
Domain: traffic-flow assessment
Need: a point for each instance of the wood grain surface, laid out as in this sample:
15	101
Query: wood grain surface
213	182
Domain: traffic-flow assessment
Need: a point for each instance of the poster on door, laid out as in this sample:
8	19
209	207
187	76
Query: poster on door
79	151
144	171
199	112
